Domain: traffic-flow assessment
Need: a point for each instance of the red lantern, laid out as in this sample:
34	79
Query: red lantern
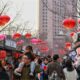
44	49
2	54
39	41
2	23
36	41
69	23
4	19
28	35
16	35
20	42
68	45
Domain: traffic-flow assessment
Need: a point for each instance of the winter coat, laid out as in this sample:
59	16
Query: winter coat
55	66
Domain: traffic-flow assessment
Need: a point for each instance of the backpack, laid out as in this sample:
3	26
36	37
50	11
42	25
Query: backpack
54	76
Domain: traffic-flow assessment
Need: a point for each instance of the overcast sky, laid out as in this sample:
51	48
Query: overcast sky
28	9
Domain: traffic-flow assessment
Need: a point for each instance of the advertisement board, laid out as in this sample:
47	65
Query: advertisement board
10	43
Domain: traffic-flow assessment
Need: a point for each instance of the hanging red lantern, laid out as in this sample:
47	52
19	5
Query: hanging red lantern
44	49
4	19
34	41
16	36
28	35
39	41
2	54
20	42
68	45
2	23
69	23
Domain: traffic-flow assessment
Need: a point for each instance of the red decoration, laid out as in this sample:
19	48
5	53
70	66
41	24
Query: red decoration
2	54
16	55
68	44
45	68
20	42
69	23
36	41
44	48
28	35
4	19
39	41
16	35
72	34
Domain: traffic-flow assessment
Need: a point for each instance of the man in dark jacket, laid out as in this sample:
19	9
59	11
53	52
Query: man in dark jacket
54	68
26	68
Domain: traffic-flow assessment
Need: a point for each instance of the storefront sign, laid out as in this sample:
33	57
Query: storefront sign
10	43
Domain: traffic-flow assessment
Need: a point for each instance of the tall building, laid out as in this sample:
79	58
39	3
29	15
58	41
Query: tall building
51	15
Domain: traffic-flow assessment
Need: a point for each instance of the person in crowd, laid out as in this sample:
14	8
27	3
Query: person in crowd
49	58
44	65
3	73
54	70
29	50
69	71
26	68
32	66
21	65
38	69
16	64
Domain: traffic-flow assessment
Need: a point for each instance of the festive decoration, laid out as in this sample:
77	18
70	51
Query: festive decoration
2	54
45	68
68	45
16	55
39	41
4	19
28	35
16	36
72	34
36	41
2	37
69	23
20	42
44	49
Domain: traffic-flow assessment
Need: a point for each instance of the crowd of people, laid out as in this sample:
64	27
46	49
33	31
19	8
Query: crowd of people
34	67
